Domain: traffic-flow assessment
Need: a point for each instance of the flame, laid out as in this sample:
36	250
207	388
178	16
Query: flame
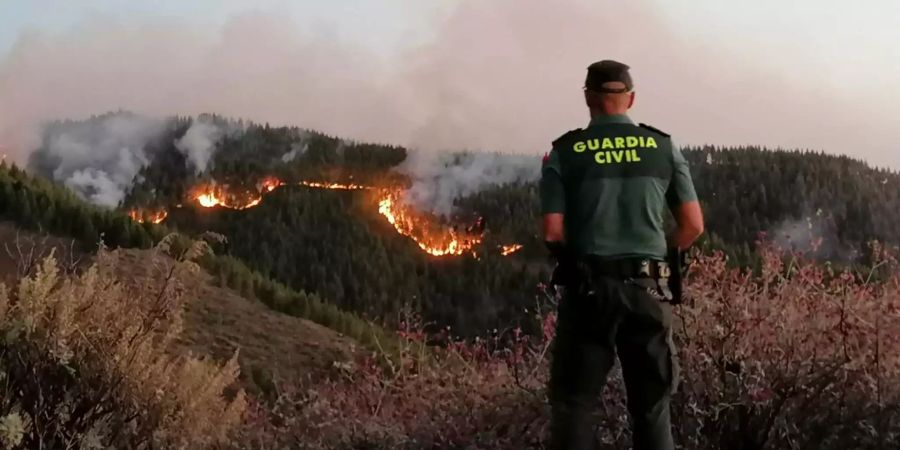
143	216
427	234
212	195
271	183
208	200
211	199
320	185
507	250
434	243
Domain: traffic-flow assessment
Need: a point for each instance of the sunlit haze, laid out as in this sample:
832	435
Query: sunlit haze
502	75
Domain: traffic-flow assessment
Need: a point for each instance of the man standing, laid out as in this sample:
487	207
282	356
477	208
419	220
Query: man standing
604	190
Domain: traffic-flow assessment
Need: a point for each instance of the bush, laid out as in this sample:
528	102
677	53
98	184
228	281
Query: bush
87	361
791	355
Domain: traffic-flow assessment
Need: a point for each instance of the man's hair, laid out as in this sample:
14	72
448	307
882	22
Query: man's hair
605	101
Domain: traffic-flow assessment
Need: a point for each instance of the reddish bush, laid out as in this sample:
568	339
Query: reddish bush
792	356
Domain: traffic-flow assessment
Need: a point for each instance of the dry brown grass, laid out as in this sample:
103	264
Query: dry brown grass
274	347
86	361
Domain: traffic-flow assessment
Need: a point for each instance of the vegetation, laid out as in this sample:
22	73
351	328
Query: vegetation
35	203
776	350
798	356
334	245
86	362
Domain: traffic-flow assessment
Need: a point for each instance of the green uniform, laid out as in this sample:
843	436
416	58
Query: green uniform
613	181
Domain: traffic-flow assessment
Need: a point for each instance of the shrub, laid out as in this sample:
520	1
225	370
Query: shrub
790	355
86	361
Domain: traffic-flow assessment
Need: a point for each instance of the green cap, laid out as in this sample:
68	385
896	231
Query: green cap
608	71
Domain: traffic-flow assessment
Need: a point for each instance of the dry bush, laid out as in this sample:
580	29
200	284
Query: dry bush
414	397
794	355
86	361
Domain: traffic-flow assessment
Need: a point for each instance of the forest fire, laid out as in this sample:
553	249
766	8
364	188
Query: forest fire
430	236
212	199
316	184
143	216
210	196
507	250
436	243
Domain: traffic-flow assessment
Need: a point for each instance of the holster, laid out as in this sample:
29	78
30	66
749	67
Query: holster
571	275
678	261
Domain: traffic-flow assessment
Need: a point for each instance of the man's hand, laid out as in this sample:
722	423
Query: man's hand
553	228
690	224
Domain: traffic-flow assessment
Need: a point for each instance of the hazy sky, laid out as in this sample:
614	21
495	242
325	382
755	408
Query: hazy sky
498	74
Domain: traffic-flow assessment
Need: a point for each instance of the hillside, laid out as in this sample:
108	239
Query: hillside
297	249
218	321
306	209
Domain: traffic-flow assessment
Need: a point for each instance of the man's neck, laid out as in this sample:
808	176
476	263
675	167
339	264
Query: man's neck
600	113
603	119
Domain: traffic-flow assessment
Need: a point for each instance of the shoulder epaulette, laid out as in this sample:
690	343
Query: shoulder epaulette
568	134
656	130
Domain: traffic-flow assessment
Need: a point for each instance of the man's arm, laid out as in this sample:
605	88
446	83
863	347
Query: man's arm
553	205
689	218
682	200
553	228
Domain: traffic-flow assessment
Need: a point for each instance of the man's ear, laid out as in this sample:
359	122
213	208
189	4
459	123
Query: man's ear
631	100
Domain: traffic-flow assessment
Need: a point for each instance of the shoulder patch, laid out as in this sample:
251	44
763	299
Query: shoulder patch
567	135
655	130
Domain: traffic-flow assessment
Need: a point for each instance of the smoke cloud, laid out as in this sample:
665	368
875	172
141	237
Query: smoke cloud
199	142
439	179
813	235
297	149
503	76
98	159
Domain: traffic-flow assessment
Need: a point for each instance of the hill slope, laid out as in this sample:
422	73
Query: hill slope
336	245
218	321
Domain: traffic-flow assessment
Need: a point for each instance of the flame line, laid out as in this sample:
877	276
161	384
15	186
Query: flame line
402	218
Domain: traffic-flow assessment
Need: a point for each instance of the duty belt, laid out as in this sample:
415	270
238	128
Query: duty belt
628	268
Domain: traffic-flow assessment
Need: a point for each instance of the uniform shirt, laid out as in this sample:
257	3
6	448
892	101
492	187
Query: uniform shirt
613	181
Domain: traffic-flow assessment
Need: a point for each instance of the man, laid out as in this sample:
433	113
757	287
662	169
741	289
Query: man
604	190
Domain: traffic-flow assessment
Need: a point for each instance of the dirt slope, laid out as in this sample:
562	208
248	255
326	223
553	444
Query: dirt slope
272	346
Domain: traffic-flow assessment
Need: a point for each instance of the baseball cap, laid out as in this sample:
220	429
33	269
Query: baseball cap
608	71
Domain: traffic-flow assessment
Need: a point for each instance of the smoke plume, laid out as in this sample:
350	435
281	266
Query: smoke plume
815	236
297	149
100	158
441	178
199	142
503	75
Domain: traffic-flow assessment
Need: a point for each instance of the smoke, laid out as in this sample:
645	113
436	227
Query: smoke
297	149
440	178
100	158
814	235
199	142
502	75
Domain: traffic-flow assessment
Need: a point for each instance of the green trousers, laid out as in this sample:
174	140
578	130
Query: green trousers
612	317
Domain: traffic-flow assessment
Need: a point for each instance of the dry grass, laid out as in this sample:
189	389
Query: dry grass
274	348
85	361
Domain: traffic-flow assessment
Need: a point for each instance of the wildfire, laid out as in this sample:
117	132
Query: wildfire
142	216
271	183
434	243
429	236
507	250
316	184
212	195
